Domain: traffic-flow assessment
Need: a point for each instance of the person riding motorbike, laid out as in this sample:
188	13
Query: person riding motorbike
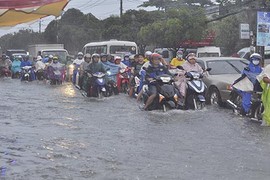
27	62
178	60
77	62
253	69
5	64
16	66
83	67
39	68
126	60
147	56
155	69
189	65
94	67
56	70
135	71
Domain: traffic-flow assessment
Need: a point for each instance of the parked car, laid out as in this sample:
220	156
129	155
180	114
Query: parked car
208	51
224	71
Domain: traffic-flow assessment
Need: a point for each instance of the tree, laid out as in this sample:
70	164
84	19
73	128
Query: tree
178	25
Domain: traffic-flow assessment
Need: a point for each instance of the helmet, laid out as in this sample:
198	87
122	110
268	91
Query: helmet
117	58
255	56
87	55
155	56
39	58
191	56
103	55
131	57
55	58
19	57
179	52
80	54
95	55
50	56
148	53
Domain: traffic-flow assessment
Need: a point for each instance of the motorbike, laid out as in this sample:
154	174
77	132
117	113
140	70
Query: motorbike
124	77
167	94
40	74
26	73
56	75
256	109
247	83
98	86
111	85
195	97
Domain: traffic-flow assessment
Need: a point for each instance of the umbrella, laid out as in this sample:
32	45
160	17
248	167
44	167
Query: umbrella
13	12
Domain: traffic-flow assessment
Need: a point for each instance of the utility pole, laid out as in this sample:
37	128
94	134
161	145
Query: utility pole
121	8
39	25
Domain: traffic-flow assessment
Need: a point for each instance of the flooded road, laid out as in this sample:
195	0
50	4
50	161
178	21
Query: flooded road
53	132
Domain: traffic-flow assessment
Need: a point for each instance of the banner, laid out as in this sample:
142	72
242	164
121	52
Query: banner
263	25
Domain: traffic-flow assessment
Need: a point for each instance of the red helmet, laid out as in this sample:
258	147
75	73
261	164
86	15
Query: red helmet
156	56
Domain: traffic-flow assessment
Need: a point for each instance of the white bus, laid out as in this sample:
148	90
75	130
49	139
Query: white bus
113	47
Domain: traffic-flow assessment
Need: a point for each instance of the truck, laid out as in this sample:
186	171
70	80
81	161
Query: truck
49	49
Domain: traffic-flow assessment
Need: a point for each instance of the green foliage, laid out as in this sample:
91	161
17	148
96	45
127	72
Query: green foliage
20	40
177	26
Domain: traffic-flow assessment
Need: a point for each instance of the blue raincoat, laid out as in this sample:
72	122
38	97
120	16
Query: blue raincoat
28	63
251	72
114	69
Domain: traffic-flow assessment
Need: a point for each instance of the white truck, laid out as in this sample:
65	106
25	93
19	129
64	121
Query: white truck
49	49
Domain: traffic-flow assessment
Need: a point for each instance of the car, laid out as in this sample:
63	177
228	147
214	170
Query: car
224	71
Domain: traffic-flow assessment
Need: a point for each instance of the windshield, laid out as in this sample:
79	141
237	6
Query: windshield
226	66
62	55
96	49
208	55
122	49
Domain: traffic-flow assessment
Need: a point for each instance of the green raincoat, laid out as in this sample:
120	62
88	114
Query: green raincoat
265	94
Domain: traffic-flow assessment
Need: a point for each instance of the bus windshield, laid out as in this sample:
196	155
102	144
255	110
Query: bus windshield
62	55
122	49
96	49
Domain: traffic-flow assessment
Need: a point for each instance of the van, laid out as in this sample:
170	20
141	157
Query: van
208	51
245	52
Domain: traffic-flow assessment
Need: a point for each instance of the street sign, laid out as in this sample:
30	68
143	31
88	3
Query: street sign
263	25
244	31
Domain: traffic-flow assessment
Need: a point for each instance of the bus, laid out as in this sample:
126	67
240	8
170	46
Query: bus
113	47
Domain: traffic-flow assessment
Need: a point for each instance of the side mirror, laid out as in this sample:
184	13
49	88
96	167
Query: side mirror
208	69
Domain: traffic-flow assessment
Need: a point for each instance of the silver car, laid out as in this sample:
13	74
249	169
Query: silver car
224	71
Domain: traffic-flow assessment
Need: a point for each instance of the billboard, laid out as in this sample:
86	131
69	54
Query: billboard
263	25
244	31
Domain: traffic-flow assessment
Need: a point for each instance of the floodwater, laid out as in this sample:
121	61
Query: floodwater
53	132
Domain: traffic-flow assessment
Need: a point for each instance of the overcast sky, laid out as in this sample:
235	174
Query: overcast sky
100	8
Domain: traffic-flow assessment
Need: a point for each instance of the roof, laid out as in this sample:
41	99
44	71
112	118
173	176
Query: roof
220	58
13	12
115	42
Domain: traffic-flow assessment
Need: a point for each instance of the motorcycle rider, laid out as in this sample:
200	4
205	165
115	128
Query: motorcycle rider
135	71
147	56
126	60
254	67
178	60
155	69
16	65
83	67
77	62
5	64
264	79
56	67
94	67
39	67
27	62
189	65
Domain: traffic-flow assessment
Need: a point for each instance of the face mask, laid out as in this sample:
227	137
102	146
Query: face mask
180	56
256	62
55	62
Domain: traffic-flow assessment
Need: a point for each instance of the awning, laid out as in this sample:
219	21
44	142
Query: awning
13	12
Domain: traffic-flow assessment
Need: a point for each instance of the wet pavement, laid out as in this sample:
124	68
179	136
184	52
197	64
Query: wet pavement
53	132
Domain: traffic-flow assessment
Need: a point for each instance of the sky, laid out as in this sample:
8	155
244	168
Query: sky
99	8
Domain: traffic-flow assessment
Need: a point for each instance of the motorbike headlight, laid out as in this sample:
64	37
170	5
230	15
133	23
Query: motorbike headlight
109	73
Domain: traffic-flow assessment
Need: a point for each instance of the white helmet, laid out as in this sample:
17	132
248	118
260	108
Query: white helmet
39	58
148	53
80	54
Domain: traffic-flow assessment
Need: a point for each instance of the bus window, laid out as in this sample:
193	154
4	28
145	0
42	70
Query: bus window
117	49
96	49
